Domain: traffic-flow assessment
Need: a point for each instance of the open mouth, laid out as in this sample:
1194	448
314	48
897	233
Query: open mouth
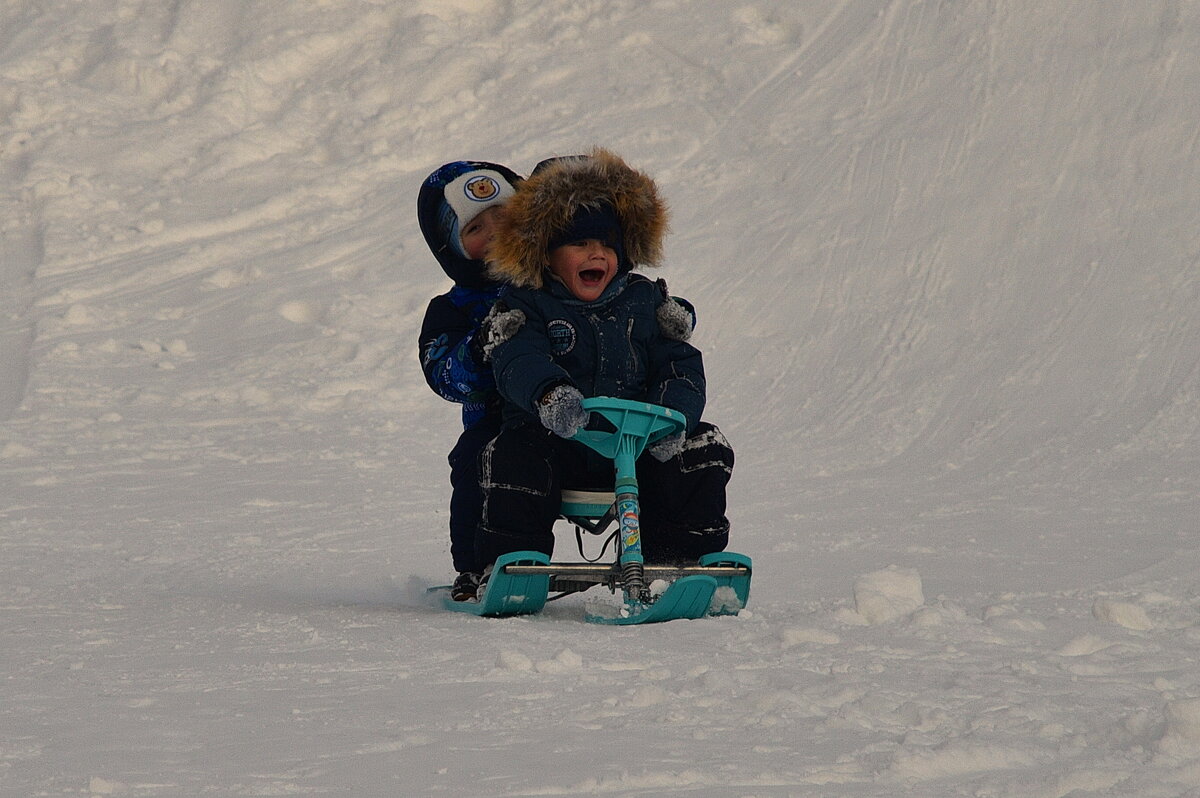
591	276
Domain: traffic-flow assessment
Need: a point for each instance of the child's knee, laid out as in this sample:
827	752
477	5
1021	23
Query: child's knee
706	448
510	463
520	499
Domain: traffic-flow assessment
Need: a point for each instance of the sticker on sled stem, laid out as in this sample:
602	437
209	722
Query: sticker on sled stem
631	533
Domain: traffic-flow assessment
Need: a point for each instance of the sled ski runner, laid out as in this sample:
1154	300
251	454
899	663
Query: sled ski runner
520	582
507	593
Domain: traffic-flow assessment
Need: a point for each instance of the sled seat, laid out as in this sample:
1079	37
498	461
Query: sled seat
589	510
586	503
632	426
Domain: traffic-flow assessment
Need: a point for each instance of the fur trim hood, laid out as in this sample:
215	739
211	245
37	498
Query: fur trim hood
545	203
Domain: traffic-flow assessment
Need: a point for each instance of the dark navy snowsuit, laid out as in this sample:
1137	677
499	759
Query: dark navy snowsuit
453	370
610	347
452	363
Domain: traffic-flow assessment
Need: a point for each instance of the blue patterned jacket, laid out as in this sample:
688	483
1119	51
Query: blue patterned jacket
448	357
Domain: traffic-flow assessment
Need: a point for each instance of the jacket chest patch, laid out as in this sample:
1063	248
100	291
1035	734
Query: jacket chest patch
562	336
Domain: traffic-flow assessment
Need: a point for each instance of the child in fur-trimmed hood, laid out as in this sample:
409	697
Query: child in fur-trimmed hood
580	322
560	188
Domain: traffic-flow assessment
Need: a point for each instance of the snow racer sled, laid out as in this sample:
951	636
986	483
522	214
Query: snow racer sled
521	582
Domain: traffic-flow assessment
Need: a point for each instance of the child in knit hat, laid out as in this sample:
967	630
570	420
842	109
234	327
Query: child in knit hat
457	208
586	324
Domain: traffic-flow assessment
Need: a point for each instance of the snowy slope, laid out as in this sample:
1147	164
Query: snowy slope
947	267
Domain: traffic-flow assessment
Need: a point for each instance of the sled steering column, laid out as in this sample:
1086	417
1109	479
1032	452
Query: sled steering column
636	425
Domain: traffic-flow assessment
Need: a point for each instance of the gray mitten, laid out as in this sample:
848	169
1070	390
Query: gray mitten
664	449
498	326
561	411
676	317
674	320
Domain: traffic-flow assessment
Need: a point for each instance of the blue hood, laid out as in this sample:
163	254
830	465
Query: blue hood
463	271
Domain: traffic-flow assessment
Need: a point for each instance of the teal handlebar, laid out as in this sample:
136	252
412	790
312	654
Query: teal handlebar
638	424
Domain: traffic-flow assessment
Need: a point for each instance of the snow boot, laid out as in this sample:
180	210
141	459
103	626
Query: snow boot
465	587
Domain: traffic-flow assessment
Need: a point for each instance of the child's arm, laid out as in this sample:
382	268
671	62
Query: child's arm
675	378
523	364
448	358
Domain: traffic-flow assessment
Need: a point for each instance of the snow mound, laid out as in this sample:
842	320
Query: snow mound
887	595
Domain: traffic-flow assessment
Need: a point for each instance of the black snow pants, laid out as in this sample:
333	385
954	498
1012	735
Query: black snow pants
466	501
524	469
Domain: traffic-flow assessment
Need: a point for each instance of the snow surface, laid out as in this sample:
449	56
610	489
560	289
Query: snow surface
946	257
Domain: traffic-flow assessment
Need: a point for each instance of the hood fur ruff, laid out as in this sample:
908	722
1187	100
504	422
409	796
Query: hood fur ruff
545	203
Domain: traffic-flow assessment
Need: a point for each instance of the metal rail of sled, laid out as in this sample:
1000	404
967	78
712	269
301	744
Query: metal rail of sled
572	576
